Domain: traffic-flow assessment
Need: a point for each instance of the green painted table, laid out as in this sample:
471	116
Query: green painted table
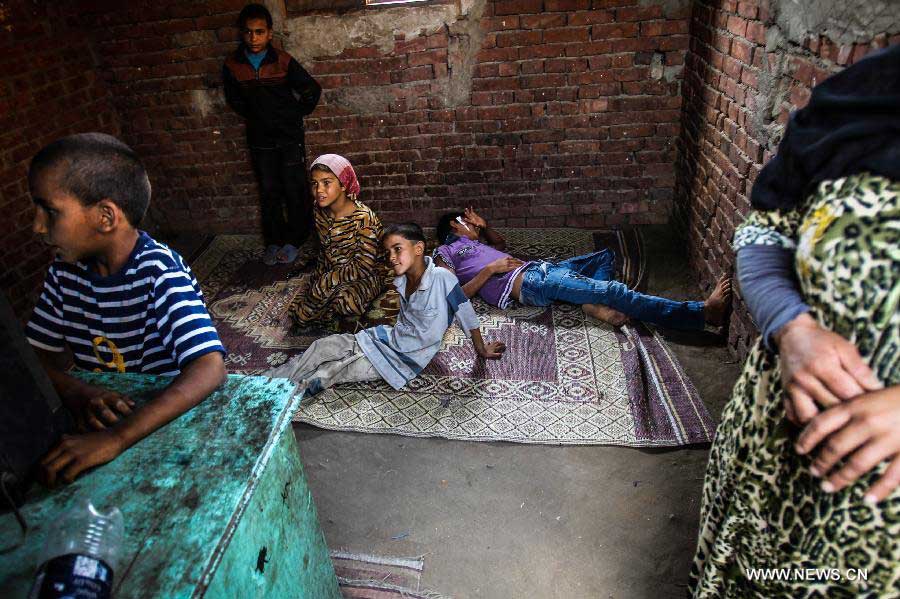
215	504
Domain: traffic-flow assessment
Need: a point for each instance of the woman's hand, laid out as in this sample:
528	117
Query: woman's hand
861	433
819	368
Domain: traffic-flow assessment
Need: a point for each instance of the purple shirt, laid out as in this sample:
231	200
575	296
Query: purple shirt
467	258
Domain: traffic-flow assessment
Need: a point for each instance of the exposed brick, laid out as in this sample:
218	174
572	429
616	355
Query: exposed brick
614	30
545	51
516	7
568	34
737	25
672	42
748	10
542	21
518	38
803	71
417	44
639	13
501	83
566	5
565	65
631	131
549	80
500	23
497	54
531	67
421	58
592	17
742	51
494	69
505	69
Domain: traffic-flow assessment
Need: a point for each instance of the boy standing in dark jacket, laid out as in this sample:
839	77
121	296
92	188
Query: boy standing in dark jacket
273	93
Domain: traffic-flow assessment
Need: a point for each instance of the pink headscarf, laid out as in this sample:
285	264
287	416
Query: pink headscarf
341	167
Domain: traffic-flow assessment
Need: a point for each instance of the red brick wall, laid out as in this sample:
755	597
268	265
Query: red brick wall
734	113
162	61
48	89
565	124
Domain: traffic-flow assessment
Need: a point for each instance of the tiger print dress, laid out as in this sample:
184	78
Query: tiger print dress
351	269
762	509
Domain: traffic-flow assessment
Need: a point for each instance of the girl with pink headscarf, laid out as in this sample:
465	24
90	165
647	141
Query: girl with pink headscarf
351	269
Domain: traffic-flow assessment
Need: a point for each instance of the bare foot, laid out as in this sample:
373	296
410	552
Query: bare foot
716	305
605	313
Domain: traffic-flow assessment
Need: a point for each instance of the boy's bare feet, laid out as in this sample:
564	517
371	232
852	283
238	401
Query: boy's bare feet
605	313
716	305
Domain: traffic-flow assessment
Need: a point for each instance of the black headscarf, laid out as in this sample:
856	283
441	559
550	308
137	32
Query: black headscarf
851	125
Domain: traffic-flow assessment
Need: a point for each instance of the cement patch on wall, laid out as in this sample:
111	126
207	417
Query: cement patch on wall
207	102
318	36
843	21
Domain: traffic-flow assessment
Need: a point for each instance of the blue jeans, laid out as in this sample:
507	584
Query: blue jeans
588	280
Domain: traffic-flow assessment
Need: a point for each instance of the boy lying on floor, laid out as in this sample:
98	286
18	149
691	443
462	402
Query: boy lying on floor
430	298
114	297
473	251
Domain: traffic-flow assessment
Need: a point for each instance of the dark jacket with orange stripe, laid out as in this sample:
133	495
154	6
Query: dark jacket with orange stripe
273	99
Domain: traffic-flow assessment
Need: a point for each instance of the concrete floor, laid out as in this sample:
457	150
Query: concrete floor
503	520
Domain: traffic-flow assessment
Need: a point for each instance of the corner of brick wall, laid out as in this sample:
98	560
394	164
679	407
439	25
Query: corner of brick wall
50	88
737	99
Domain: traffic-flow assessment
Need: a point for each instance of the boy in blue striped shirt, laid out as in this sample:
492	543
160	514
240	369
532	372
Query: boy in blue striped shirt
113	300
430	300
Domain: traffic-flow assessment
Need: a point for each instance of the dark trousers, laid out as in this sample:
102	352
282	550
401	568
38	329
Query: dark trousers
287	215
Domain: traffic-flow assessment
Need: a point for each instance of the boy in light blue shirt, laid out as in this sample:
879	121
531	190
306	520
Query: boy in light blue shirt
430	299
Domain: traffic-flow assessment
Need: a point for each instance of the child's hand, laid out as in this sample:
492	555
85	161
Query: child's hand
100	407
471	217
502	265
76	453
861	433
492	350
819	369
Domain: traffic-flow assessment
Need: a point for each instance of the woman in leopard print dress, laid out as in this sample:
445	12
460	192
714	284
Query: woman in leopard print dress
801	493
762	508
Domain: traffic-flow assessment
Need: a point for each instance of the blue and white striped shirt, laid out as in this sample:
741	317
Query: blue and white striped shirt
399	353
149	317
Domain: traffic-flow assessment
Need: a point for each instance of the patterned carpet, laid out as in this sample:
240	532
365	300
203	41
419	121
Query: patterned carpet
565	379
363	576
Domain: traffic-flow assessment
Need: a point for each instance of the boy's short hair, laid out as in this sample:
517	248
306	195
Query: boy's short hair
409	231
443	227
93	167
254	11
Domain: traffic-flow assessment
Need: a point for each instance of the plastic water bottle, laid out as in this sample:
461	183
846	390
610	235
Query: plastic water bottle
82	552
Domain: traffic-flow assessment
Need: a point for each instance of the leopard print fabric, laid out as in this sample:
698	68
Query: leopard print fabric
761	507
